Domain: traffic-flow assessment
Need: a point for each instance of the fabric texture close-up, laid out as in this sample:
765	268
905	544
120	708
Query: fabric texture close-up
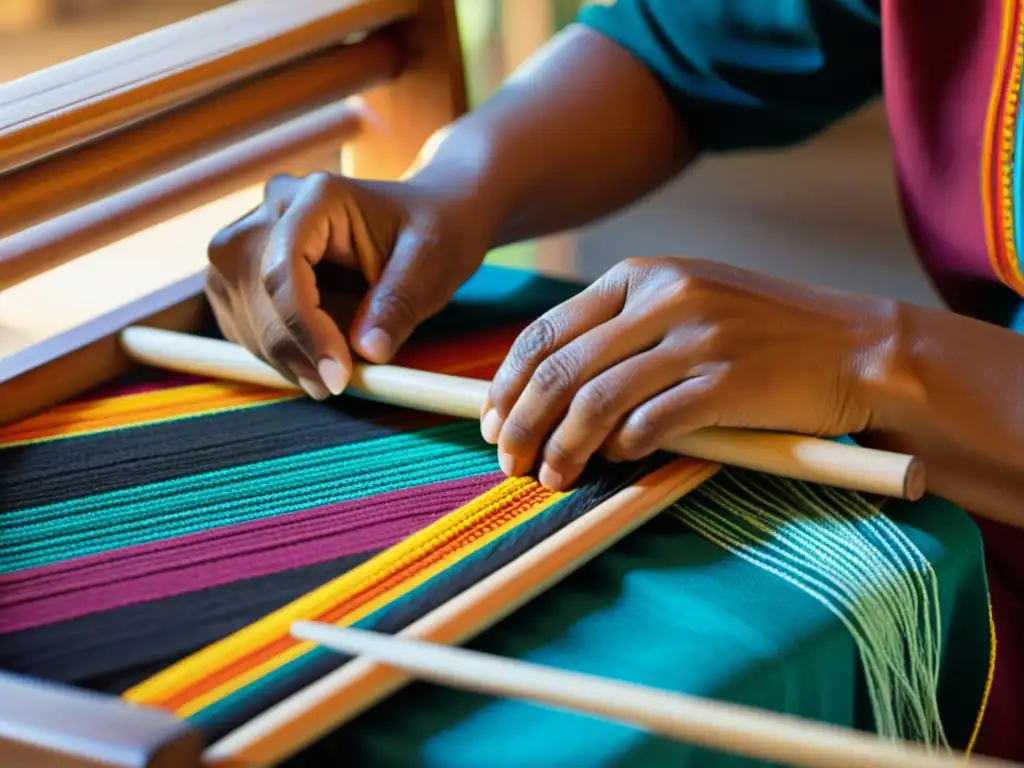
160	535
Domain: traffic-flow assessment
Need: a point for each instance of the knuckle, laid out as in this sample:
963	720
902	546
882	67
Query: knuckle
319	183
278	346
536	343
637	437
220	251
676	290
635	264
395	305
598	403
517	432
276	277
557	374
426	232
560	456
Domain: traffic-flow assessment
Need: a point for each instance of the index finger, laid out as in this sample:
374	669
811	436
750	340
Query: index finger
297	243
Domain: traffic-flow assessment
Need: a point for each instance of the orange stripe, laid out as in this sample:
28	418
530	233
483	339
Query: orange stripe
989	164
998	149
73	419
283	643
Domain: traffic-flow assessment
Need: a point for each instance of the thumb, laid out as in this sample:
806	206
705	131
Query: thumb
411	288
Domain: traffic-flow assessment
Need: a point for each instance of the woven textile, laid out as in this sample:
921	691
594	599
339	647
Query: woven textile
157	538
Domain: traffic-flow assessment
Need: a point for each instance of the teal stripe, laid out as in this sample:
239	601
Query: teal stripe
103	522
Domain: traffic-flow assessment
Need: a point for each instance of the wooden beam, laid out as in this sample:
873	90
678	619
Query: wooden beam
31	195
428	96
55	242
88	97
44	725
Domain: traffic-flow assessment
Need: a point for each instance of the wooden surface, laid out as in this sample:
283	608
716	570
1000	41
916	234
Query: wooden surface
428	96
87	97
36	250
83	365
45	725
43	190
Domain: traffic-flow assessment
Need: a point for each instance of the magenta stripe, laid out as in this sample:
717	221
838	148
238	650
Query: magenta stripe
163	569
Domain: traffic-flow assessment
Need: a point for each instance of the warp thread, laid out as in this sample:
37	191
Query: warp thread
845	553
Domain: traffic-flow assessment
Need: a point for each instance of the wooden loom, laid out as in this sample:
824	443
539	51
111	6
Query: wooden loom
114	143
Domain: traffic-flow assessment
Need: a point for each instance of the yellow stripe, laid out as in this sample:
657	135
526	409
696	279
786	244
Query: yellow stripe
989	167
988	681
252	675
193	669
1011	273
108	414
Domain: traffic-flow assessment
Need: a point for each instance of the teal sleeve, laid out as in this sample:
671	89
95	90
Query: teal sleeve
752	73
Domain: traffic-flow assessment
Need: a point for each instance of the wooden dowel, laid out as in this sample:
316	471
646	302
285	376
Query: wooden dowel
252	161
85	98
140	152
803	458
729	728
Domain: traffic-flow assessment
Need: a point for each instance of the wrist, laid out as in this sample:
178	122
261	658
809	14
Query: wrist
458	172
887	379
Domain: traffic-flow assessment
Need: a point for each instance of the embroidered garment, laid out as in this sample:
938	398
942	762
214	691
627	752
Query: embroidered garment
765	73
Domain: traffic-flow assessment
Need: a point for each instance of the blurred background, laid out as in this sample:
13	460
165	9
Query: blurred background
824	213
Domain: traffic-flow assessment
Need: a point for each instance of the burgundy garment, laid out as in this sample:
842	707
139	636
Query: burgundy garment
939	63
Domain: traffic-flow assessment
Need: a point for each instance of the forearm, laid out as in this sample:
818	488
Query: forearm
580	132
957	402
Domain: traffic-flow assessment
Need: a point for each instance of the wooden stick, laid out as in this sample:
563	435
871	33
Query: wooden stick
301	719
804	458
725	727
67	237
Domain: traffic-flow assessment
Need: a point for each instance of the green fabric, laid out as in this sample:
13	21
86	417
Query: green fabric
669	609
752	73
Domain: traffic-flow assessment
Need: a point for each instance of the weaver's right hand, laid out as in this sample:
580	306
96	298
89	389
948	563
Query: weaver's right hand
413	245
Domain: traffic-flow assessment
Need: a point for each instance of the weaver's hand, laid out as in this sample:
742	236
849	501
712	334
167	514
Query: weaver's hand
661	347
414	246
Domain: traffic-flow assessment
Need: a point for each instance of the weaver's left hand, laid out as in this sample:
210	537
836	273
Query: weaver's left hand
661	347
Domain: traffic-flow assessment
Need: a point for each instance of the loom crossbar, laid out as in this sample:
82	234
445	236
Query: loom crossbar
83	99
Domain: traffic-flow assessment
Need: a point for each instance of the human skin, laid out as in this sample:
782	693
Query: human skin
657	347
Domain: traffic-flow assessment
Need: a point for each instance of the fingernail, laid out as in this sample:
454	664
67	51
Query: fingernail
313	388
507	462
490	426
376	344
550	479
332	374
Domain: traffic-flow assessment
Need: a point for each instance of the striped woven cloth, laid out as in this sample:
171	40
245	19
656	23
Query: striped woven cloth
169	519
159	536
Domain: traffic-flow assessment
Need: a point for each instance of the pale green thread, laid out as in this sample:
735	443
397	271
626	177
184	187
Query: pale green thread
843	552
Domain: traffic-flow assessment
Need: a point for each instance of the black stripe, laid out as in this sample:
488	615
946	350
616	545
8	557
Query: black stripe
60	470
602	481
113	650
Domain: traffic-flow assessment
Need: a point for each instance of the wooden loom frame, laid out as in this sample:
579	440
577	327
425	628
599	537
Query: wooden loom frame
108	145
104	146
